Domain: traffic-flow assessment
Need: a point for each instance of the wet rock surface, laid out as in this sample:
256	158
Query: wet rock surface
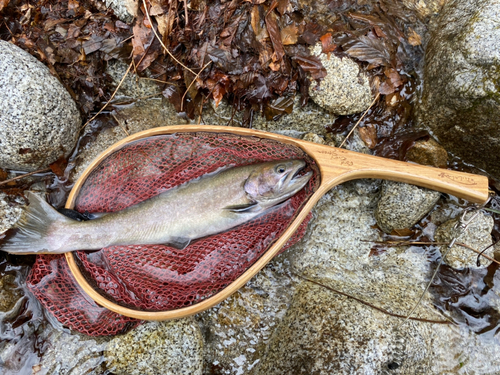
401	205
10	211
477	235
174	347
33	102
10	293
428	153
70	353
344	90
460	99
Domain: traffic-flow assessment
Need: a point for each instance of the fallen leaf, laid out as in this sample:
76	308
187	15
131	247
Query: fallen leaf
73	4
312	65
372	50
59	166
277	108
3	175
405	232
369	135
413	38
274	33
327	44
3	4
289	35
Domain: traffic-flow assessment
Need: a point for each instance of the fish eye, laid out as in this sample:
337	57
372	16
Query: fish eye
280	169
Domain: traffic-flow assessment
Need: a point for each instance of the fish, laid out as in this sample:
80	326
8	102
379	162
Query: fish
210	204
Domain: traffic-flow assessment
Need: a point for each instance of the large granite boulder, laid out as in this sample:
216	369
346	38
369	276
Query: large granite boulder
39	121
460	102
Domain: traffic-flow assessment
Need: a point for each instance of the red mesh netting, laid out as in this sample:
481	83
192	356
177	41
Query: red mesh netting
158	277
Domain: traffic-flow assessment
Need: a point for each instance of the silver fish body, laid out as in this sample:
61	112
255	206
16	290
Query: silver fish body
211	204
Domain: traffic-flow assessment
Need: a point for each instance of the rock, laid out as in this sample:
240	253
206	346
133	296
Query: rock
428	153
477	235
401	205
125	10
10	211
70	353
460	101
239	328
39	121
345	90
424	8
10	293
311	137
326	333
173	347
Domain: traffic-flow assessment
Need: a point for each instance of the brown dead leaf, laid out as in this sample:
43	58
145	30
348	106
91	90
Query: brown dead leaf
394	76
73	4
59	166
289	35
3	175
3	4
369	135
413	38
405	232
327	44
274	33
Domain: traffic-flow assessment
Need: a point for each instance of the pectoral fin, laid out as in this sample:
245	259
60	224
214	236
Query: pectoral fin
240	208
179	243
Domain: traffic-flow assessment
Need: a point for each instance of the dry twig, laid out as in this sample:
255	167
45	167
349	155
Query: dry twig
24	175
361	118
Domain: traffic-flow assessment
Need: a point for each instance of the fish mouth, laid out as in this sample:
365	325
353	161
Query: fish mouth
297	178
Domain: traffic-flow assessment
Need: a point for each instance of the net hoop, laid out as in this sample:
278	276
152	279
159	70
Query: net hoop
236	284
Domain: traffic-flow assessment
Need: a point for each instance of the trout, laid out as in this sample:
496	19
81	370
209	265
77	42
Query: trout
202	207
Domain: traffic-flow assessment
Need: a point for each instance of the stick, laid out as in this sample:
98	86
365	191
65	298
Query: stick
410	243
110	99
191	84
161	42
355	126
24	175
370	305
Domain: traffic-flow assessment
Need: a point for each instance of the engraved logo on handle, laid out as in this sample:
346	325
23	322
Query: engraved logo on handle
334	155
460	179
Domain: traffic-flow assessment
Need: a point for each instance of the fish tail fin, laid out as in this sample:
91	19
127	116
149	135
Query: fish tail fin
30	233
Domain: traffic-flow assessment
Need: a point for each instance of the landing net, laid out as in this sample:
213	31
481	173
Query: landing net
159	277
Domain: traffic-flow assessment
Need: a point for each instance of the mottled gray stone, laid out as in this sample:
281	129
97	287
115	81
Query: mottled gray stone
39	121
71	354
477	235
460	101
10	211
132	86
158	348
311	137
402	205
326	333
239	328
125	10
345	90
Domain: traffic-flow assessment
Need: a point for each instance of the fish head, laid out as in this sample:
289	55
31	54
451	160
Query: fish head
274	182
